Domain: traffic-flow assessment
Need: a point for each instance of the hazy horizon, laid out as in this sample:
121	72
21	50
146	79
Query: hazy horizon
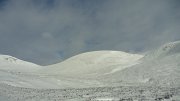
49	31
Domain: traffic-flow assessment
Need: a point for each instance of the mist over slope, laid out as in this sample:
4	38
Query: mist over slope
172	48
158	67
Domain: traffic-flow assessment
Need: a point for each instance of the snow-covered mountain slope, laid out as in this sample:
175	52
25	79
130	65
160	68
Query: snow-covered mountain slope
6	60
16	72
94	63
19	73
14	64
159	67
99	68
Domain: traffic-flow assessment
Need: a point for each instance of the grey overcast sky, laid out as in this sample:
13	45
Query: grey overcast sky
49	31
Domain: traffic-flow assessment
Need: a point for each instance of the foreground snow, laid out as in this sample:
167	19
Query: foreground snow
120	93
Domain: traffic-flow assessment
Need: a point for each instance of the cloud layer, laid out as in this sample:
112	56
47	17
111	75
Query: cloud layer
49	31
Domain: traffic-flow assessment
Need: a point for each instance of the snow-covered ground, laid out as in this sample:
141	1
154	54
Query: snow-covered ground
86	76
120	93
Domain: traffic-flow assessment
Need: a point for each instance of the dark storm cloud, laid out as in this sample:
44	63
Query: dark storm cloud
48	31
